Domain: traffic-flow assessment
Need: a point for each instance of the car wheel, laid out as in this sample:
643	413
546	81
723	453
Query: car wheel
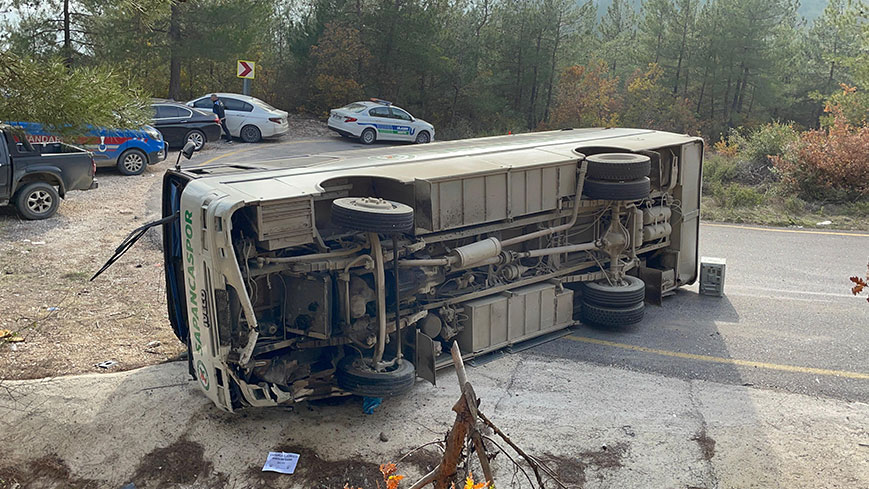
618	166
37	200
422	137
354	375
627	292
370	214
368	136
196	137
625	190
132	162
250	134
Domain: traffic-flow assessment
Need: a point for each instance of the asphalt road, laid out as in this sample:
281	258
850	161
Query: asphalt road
272	151
787	320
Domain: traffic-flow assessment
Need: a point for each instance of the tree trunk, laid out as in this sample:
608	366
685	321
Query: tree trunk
737	96
734	101
702	88
682	48
454	445
741	92
483	21
453	105
189	80
533	99
751	101
518	101
67	39
552	65
832	70
174	53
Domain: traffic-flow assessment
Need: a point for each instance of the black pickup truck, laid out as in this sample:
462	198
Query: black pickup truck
34	178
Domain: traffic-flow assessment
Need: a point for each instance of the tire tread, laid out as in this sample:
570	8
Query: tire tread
373	384
614	170
601	295
372	222
628	190
612	316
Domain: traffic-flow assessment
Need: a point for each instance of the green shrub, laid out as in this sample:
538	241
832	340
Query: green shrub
757	146
719	170
770	139
735	195
857	209
794	205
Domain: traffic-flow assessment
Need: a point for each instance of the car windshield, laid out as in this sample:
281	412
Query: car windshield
354	107
263	105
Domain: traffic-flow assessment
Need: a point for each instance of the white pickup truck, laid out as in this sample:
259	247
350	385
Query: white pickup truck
351	273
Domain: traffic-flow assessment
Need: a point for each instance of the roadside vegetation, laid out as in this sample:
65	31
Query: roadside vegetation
776	174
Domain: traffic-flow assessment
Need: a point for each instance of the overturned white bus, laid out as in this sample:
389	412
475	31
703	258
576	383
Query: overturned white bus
346	273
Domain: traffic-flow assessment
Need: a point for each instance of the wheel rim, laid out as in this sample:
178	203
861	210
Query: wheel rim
615	285
196	139
250	133
133	162
39	202
368	136
367	365
422	138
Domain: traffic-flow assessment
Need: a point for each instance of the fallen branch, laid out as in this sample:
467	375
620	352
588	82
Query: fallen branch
465	431
517	464
531	462
438	443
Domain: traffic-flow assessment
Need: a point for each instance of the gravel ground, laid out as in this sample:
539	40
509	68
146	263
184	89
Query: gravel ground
304	127
70	324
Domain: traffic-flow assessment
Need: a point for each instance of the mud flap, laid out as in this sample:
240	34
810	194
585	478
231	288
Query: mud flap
425	357
654	284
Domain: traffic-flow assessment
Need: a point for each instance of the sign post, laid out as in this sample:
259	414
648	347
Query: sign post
247	71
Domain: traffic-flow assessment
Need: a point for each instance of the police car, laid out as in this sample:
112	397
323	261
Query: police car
379	120
130	150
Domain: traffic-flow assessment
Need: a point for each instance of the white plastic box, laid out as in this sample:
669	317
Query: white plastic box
712	275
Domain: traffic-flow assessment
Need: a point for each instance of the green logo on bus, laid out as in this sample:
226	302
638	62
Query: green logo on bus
203	374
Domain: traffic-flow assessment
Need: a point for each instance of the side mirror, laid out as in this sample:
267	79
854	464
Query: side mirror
188	150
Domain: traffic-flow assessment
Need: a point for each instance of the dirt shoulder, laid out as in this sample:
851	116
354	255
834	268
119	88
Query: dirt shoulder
68	323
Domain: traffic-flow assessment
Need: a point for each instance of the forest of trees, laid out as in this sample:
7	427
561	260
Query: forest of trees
475	66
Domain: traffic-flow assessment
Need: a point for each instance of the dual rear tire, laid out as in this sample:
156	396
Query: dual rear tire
617	176
613	304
